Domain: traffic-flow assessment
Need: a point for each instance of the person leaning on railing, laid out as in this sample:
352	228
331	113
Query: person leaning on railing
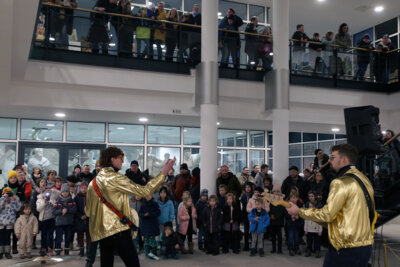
265	48
172	34
143	33
299	47
159	32
251	46
327	53
343	39
126	27
382	66
363	57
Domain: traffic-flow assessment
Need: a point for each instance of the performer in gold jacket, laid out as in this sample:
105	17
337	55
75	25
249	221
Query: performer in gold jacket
346	213
104	225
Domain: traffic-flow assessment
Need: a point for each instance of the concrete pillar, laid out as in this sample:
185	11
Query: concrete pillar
277	89
207	94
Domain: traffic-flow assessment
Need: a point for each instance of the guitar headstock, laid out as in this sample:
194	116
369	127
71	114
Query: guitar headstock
276	200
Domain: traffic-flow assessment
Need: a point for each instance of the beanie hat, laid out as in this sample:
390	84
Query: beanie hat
293	168
78	166
84	183
276	187
163	189
134	162
184	166
259	189
6	190
248	184
204	192
11	174
72	179
64	188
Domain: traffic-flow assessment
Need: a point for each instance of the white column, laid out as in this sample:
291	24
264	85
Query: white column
280	139
280	33
207	94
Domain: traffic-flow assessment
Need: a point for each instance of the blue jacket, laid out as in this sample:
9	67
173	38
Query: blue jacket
149	224
8	210
262	224
167	212
223	35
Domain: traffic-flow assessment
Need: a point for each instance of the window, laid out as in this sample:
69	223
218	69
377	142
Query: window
294	137
234	138
171	3
257	157
158	156
45	158
257	138
295	150
326	146
132	153
85	131
322	137
125	133
7	160
191	156
191	136
343	141
270	143
309	149
141	2
258	11
271	164
308	137
8	128
241	9
307	161
236	159
164	135
82	156
387	27
42	130
295	162
341	136
190	3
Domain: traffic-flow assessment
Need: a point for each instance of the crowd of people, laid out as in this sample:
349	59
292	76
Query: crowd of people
323	60
55	207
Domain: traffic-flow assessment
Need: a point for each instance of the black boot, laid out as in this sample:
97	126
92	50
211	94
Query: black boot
273	248
1	252
261	252
7	253
58	252
308	253
253	252
66	252
81	252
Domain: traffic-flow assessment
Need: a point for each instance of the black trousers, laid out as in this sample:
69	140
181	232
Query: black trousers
231	240
212	245
123	244
313	243
246	224
348	257
276	233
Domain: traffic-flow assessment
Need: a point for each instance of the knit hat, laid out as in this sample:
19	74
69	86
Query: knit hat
276	187
134	162
248	184
84	183
6	190
11	174
78	166
184	166
204	192
259	189
72	179
163	189
65	188
293	168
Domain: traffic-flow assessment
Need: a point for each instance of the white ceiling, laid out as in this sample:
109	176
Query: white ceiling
328	15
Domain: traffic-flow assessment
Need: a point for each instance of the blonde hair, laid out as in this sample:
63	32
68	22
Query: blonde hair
185	200
176	12
230	195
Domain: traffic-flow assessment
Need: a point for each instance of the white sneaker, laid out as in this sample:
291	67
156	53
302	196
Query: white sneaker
152	256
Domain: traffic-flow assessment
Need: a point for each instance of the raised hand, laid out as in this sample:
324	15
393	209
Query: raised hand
168	165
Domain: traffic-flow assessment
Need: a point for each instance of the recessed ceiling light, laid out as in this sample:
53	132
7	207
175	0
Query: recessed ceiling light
59	115
143	119
218	123
335	130
379	8
50	125
320	1
120	128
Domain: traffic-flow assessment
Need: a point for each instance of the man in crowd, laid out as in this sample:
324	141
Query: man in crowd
255	170
181	182
230	180
294	180
299	46
246	177
86	175
135	175
259	180
321	162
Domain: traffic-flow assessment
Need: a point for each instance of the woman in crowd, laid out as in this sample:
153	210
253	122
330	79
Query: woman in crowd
172	34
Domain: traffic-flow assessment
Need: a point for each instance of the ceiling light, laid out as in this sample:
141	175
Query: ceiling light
50	125
59	115
320	1
218	123
239	133
335	130
379	9
143	119
112	44
120	128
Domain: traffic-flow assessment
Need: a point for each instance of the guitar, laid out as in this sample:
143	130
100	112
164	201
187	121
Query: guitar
317	170
276	200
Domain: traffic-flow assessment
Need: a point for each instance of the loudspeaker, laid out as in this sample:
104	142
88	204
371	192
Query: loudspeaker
363	129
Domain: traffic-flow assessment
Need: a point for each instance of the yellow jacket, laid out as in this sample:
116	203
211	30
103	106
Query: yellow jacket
346	212
115	188
159	33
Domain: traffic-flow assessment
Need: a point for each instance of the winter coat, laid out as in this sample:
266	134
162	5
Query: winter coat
173	30
26	226
316	46
299	183
159	33
259	180
8	211
211	219
232	183
364	56
194	189
251	204
228	214
137	177
343	40
64	203
200	206
184	218
81	225
167	212
290	224
251	41
327	44
149	224
143	30
180	184
244	199
298	35
169	242
98	31
243	178
312	227
262	224
33	200
227	36
45	207
17	190
279	215
85	177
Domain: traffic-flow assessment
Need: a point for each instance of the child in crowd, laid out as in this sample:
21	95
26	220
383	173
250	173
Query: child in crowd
259	221
40	188
26	227
211	218
73	184
185	194
170	243
277	216
200	205
81	220
167	209
51	179
222	189
44	205
251	204
231	225
56	190
244	199
187	223
136	203
9	206
148	213
312	230
24	186
268	183
64	211
293	224
14	185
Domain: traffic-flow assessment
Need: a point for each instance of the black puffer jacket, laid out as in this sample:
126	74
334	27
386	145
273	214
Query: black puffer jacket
211	219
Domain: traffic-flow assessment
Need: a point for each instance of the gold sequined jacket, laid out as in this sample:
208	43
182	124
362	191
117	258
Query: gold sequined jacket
346	212
115	188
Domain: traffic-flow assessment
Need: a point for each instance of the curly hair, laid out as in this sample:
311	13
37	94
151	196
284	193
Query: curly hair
107	154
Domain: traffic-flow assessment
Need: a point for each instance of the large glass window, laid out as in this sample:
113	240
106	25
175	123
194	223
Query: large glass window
126	133
295	162
191	156
236	159
326	146
164	135
307	161
132	153
8	128
241	9
85	131
189	4
45	158
258	11
294	137
309	149
172	4
158	156
308	137
270	141
191	136
141	2
342	141
323	136
295	150
82	157
7	160
257	157
42	130
257	138
234	138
